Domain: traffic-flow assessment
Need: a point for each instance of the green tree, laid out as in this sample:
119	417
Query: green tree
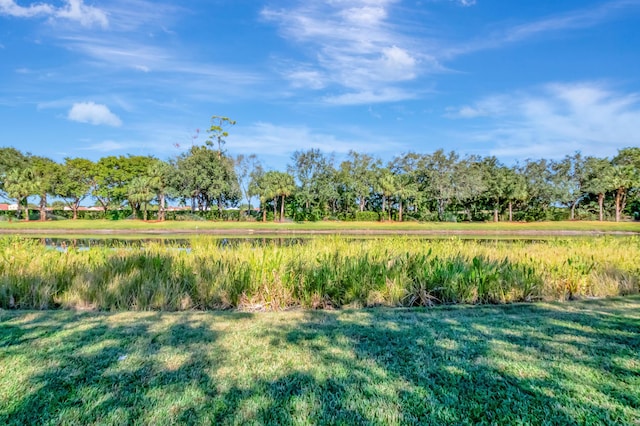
46	172
496	179
218	132
20	184
625	177
569	177
279	185
388	185
469	184
112	176
258	187
316	178
207	178
598	180
439	171
140	192
540	190
405	168
245	165
74	182
161	176
515	189
358	176
11	159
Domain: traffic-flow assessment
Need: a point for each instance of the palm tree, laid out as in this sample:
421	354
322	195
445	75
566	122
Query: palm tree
278	184
20	184
159	174
141	192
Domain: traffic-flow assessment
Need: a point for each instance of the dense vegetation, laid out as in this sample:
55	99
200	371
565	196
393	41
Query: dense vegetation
318	273
427	187
515	364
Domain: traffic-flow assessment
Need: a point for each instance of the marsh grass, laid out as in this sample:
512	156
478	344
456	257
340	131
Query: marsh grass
542	363
325	272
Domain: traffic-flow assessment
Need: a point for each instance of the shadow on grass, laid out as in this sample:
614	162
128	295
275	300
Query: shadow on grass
555	364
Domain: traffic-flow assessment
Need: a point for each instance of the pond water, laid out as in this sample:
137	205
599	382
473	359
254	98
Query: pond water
62	243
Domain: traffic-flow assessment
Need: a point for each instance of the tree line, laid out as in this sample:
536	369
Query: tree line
437	186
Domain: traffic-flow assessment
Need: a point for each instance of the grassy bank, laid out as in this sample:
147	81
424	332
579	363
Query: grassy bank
320	273
203	226
570	363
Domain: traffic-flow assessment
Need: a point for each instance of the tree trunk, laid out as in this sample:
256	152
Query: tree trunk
161	211
600	205
383	206
619	203
282	210
26	210
264	214
573	210
510	211
43	207
275	209
400	210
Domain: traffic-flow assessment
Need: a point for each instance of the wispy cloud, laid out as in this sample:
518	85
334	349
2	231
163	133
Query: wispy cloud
353	46
72	10
282	140
105	146
92	113
555	119
390	94
574	20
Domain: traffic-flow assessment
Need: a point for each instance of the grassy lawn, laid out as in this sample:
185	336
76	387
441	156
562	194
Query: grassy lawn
203	226
571	363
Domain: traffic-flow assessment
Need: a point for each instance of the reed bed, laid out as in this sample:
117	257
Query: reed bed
328	272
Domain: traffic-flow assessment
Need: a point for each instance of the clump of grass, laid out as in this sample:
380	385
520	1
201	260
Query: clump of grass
321	273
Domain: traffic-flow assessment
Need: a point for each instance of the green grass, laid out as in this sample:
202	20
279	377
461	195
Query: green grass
570	363
203	226
322	272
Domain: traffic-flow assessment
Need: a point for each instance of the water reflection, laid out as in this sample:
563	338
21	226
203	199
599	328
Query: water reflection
82	244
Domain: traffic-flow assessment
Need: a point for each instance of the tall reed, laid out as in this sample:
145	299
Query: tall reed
321	273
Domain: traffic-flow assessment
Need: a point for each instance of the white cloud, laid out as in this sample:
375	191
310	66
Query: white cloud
92	113
142	68
308	78
73	10
10	8
76	10
352	45
555	119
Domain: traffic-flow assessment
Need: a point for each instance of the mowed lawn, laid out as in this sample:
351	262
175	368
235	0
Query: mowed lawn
560	363
89	226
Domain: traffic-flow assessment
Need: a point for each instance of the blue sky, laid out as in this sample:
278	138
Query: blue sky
515	79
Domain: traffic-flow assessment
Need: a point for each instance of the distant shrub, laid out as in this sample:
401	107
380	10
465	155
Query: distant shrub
367	216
